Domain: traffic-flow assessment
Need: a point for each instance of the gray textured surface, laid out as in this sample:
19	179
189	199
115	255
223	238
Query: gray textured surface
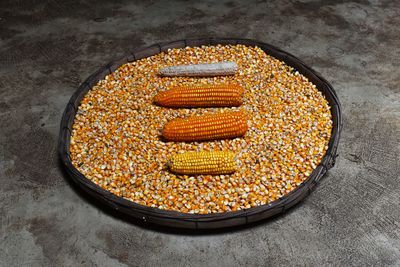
47	48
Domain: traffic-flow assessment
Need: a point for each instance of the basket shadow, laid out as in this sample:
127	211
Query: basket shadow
118	215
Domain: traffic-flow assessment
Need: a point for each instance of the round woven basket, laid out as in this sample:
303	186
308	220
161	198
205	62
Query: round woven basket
200	221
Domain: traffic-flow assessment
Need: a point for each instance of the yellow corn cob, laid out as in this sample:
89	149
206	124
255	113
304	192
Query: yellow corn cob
192	163
206	127
223	95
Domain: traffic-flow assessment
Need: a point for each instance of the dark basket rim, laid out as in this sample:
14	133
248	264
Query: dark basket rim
201	221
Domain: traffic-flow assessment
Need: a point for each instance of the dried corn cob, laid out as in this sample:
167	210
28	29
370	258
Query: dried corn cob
192	163
206	127
223	95
211	69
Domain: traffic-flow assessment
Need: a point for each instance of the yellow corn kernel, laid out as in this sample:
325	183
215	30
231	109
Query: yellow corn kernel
223	125
221	95
204	162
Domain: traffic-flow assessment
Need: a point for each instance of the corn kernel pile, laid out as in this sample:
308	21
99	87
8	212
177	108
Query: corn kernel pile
116	140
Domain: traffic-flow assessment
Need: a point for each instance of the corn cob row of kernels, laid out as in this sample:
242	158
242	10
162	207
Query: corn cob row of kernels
211	69
221	95
207	127
204	162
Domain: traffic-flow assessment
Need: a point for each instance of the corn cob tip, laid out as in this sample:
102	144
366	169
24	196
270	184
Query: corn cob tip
158	98
168	164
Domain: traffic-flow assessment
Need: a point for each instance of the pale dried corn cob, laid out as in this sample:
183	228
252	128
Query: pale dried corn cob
210	69
204	162
221	95
206	127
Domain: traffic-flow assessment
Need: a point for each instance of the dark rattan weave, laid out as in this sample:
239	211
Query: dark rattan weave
200	221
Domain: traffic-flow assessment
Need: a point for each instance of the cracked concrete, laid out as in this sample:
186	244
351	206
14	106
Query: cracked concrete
47	48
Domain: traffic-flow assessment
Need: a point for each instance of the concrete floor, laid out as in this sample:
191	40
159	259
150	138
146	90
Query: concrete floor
47	48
